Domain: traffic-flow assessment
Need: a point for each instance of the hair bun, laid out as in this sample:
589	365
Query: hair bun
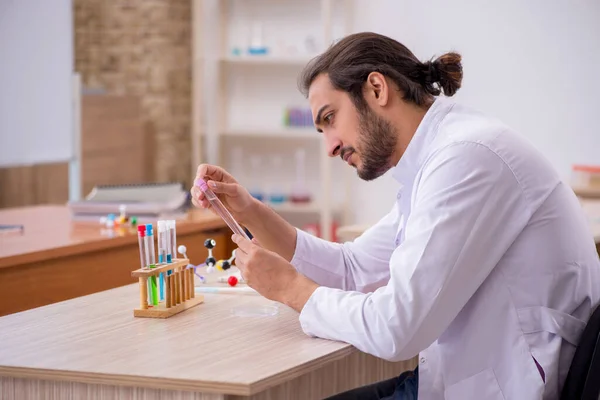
432	75
445	71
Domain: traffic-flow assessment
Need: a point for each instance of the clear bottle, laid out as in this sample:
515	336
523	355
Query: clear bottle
255	185
300	193
277	192
237	167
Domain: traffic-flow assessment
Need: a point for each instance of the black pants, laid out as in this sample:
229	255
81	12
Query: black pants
403	387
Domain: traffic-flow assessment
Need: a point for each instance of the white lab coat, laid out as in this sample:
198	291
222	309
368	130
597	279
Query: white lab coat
484	266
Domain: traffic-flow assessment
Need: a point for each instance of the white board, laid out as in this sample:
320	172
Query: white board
36	69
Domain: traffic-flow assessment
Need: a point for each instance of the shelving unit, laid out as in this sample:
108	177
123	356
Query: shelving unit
280	133
265	60
244	96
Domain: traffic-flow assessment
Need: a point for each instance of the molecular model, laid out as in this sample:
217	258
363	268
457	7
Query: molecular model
210	260
224	265
183	251
113	221
212	264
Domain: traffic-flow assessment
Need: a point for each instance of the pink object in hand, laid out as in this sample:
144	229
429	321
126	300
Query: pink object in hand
220	209
202	184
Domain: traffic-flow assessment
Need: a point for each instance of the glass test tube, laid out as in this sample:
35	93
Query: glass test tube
173	238
162	253
150	235
168	247
143	261
147	242
150	231
141	234
221	210
161	250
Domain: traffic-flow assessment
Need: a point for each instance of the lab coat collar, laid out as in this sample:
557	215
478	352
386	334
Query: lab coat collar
416	151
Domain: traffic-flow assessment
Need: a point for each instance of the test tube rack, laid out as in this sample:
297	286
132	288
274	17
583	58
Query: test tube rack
179	289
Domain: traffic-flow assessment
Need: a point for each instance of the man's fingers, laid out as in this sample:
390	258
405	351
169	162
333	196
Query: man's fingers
201	204
197	193
243	244
212	172
241	257
198	198
224	188
240	260
205	170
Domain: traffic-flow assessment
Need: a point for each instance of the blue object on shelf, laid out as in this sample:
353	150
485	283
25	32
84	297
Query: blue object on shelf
258	51
257	196
277	198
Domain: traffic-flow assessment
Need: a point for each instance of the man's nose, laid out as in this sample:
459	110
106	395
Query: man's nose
334	147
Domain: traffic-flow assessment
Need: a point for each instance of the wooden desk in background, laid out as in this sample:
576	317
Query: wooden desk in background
93	347
56	259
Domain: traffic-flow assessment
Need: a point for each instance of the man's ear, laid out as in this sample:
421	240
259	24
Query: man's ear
377	88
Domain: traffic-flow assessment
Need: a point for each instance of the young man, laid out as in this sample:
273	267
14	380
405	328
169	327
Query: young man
484	267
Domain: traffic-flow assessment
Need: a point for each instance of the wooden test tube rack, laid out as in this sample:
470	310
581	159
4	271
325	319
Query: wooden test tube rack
178	288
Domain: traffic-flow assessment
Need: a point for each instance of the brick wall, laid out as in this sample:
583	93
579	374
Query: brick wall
143	48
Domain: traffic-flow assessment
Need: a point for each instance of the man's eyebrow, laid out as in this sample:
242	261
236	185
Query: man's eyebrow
319	114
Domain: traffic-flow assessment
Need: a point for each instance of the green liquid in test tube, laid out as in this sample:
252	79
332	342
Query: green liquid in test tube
149	244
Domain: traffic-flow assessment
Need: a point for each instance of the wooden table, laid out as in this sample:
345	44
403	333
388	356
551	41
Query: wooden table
93	347
56	259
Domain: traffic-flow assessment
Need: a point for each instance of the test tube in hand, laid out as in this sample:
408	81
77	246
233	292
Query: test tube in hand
220	209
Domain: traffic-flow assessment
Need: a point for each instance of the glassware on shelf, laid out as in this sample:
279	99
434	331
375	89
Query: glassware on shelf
257	46
277	193
237	167
255	185
300	193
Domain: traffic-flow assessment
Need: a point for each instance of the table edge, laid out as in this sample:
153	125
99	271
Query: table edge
122	380
226	388
300	370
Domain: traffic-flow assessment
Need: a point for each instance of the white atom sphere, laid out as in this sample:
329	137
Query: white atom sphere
181	249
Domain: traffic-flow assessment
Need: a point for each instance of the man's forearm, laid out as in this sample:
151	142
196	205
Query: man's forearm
271	230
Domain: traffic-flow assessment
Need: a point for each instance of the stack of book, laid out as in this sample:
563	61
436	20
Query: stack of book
147	202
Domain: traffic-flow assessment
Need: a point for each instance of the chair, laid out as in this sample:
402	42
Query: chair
583	378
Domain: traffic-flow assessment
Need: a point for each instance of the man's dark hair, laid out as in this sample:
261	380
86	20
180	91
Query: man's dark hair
350	61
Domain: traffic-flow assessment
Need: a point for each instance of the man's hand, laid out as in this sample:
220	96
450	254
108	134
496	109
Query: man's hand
234	196
271	275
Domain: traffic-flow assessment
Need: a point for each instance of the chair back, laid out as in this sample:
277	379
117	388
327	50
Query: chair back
583	378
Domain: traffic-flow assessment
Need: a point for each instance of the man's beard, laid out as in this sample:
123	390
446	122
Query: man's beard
376	144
